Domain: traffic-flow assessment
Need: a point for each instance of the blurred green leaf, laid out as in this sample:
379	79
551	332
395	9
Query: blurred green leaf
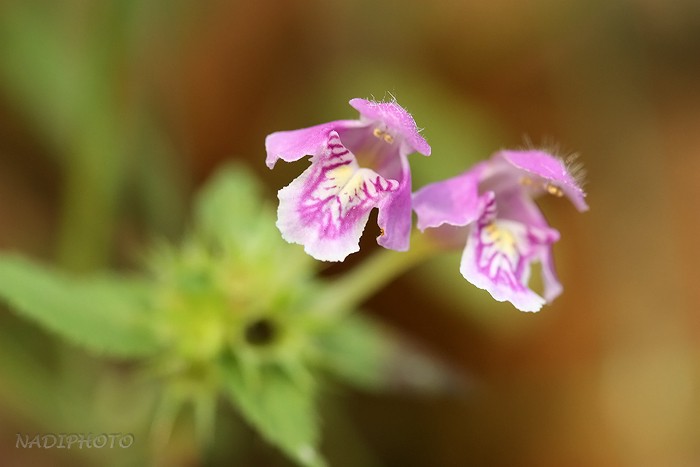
103	314
280	407
356	349
229	204
232	214
367	354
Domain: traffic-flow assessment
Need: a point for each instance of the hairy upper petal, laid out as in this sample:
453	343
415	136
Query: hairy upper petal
396	118
550	168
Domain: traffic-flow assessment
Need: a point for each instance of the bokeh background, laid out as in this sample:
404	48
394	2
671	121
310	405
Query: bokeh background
113	113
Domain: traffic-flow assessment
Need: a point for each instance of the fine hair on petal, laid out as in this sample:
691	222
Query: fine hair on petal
573	166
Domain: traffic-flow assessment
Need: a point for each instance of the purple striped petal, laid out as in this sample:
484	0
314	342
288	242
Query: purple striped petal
516	206
292	145
498	256
326	208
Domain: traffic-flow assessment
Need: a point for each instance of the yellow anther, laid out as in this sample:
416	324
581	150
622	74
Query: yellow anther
526	181
381	134
381	232
554	190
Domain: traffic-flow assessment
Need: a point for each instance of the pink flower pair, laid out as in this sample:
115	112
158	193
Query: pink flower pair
357	165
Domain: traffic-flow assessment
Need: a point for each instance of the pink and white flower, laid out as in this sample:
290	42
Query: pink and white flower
356	165
492	204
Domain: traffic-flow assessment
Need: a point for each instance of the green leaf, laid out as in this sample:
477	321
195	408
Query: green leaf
280	407
229	204
357	349
232	214
369	355
104	314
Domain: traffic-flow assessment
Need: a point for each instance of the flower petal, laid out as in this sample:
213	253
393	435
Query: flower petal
493	261
551	169
498	256
396	119
517	206
292	145
394	218
454	201
552	286
326	208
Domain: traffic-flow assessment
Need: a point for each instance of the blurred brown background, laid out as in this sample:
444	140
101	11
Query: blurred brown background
113	113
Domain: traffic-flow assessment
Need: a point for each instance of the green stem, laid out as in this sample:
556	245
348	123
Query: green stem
372	275
86	221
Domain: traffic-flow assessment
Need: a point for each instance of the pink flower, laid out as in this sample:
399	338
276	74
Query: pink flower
356	165
493	205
